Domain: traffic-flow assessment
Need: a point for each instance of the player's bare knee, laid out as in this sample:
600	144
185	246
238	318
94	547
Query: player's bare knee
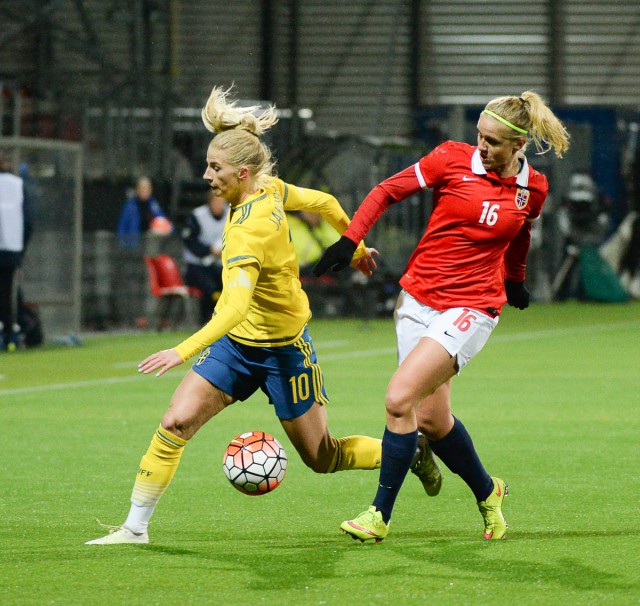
434	424
172	426
398	404
430	429
181	429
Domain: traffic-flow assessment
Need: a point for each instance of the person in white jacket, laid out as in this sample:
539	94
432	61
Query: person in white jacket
15	230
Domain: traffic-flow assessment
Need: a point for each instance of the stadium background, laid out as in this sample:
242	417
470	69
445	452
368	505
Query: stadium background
364	88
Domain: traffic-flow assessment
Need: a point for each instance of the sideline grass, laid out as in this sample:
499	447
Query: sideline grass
553	406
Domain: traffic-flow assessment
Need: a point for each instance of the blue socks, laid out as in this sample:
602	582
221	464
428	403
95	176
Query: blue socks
398	450
457	452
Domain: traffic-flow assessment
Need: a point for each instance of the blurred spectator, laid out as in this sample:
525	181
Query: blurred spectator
310	234
140	213
630	262
583	220
583	217
622	252
15	230
202	239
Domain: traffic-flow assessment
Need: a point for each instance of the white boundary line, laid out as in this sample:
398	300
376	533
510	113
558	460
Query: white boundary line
367	353
72	385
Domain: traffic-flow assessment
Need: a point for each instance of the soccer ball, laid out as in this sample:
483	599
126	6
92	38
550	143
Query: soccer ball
255	463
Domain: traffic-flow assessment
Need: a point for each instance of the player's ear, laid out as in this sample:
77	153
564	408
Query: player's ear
243	173
519	144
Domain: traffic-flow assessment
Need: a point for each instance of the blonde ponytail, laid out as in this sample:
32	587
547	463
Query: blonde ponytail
238	131
220	114
530	113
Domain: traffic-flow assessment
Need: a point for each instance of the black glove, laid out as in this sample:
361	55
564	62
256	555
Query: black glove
336	257
517	295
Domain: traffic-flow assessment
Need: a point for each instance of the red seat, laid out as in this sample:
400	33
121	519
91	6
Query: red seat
167	285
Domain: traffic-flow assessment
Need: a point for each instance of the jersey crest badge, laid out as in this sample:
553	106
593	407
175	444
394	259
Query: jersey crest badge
522	198
203	356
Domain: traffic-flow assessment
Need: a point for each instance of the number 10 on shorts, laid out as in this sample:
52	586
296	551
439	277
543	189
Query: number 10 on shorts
299	388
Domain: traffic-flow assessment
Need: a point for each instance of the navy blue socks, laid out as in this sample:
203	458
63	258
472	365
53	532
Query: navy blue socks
457	452
398	450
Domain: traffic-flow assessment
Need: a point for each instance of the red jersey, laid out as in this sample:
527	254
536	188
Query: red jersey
478	233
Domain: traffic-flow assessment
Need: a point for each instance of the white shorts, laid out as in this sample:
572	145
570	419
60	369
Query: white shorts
460	330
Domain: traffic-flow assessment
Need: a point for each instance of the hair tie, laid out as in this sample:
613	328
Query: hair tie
246	130
504	121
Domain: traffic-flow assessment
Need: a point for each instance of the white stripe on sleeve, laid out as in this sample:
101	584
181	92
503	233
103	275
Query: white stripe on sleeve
421	180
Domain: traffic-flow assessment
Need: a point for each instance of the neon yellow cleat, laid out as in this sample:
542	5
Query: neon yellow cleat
426	467
368	525
495	526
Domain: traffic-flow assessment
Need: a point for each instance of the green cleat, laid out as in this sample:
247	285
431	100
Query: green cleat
368	525
495	527
426	467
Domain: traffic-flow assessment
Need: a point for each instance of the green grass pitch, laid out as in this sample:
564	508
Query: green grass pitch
553	405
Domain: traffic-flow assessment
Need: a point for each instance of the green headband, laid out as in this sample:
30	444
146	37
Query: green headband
504	121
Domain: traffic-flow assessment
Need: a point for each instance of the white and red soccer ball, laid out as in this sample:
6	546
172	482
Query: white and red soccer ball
255	463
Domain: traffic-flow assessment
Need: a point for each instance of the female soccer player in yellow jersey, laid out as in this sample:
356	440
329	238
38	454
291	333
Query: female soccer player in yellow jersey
257	337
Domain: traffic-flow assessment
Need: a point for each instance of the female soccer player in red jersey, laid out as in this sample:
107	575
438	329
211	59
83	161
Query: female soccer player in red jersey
470	261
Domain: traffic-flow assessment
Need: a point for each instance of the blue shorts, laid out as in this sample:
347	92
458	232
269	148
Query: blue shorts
290	375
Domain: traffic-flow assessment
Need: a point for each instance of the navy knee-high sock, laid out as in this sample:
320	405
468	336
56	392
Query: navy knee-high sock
398	450
457	452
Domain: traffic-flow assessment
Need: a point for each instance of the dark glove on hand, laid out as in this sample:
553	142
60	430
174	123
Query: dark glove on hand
517	295
336	257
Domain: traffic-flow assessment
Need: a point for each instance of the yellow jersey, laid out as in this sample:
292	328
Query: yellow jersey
257	234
